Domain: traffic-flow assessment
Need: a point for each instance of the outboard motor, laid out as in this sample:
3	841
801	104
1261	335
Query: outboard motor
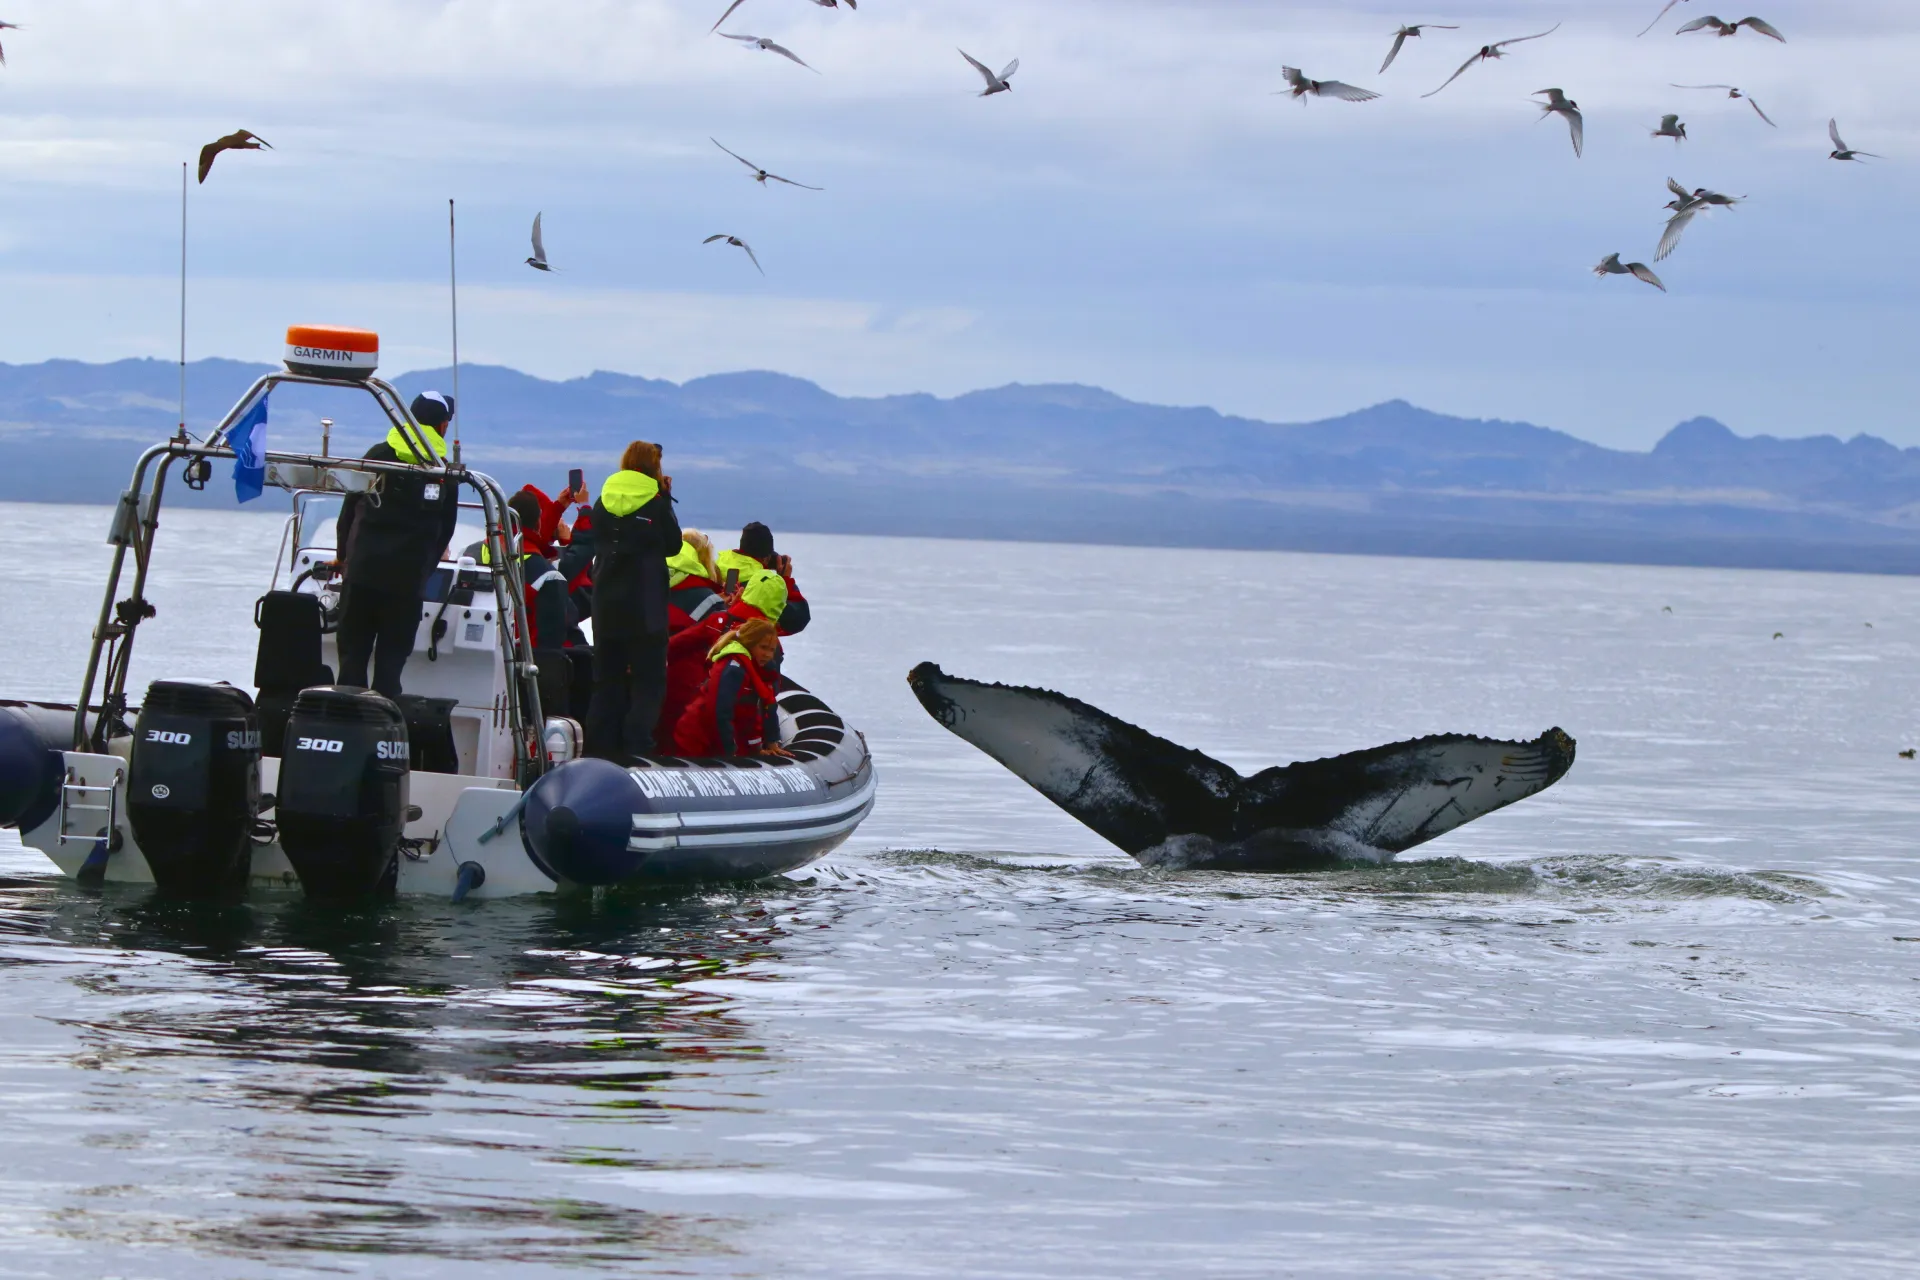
342	797
193	786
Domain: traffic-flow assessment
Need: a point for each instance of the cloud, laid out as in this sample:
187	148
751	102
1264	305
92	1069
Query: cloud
1139	212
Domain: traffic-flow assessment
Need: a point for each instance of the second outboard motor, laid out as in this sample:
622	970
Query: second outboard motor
193	786
342	797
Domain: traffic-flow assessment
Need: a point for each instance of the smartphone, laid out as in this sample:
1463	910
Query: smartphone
576	480
733	581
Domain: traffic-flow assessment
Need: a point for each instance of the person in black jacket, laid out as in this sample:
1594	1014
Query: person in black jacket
391	539
634	531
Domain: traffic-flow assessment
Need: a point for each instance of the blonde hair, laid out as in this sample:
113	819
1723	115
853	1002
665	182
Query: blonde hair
747	634
702	547
642	456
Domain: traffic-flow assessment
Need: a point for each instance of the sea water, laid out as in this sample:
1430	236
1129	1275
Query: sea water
1662	1020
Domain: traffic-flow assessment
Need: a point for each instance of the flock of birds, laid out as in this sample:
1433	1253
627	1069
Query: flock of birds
1684	207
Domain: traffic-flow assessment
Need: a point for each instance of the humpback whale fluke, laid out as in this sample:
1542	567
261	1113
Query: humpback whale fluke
1171	806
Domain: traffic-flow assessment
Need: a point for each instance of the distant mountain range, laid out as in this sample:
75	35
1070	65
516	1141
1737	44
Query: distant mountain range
1065	463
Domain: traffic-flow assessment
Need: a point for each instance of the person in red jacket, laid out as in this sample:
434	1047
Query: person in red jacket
693	585
762	597
756	553
694	604
736	713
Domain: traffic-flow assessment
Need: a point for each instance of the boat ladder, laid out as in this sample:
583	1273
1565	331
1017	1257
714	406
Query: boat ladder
78	798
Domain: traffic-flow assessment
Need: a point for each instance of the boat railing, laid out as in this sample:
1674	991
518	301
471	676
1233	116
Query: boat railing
136	522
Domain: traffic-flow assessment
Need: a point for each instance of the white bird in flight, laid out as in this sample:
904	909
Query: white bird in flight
761	42
539	259
7	26
1841	151
1559	104
1656	17
760	175
1488	52
1612	266
824	4
1404	34
1299	87
1670	127
738	243
1685	205
1733	93
995	83
1719	28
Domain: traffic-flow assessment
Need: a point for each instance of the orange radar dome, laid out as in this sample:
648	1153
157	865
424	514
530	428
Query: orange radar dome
327	351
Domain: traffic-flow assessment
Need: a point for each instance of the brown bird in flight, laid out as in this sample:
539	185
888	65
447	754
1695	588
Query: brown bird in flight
238	140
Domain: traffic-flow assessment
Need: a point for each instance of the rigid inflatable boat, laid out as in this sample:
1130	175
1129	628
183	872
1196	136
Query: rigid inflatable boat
462	787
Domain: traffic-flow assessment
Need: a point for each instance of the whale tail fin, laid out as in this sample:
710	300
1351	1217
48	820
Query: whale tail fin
1394	797
1150	796
1131	787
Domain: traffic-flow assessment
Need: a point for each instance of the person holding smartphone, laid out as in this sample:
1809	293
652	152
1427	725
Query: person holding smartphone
635	531
755	553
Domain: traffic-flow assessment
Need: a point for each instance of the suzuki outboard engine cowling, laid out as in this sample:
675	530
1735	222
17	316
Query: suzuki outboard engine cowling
342	797
193	786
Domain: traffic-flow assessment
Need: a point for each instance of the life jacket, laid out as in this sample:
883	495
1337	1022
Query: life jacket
691	594
687	650
738	562
697	733
531	588
625	492
765	592
403	448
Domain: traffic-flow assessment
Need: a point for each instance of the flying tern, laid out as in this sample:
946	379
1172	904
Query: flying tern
1559	104
824	4
1670	127
1841	151
761	42
1663	13
1488	52
1686	205
1299	87
1405	34
1612	266
1734	94
760	175
738	243
1719	28
6	26
539	259
995	83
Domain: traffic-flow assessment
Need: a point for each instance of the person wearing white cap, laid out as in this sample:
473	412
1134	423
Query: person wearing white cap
390	547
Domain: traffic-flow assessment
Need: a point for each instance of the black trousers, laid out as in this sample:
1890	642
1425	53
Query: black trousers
556	681
629	684
379	625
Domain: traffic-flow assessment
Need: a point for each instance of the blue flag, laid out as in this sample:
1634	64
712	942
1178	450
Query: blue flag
248	440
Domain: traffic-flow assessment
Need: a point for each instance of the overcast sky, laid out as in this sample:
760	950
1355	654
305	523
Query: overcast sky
1140	213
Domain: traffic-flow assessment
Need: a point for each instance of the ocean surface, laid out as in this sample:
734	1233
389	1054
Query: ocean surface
1660	1021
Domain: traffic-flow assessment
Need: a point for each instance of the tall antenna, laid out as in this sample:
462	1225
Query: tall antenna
183	297
453	290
